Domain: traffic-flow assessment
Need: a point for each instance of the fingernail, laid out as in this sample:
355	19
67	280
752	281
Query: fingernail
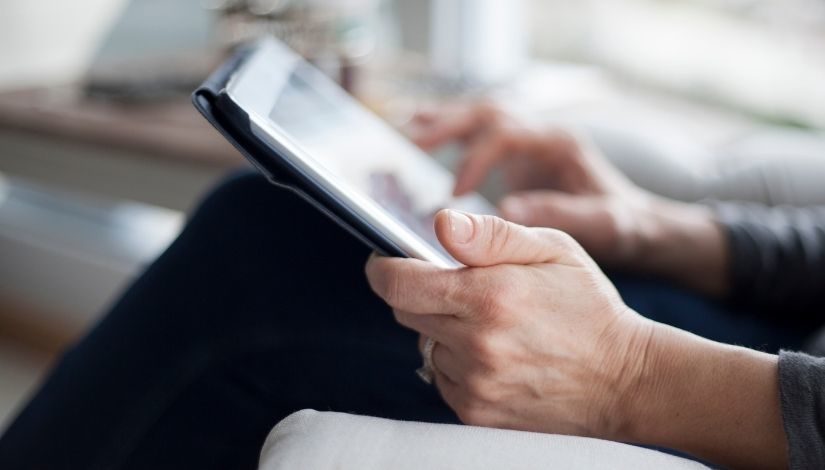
513	209
461	227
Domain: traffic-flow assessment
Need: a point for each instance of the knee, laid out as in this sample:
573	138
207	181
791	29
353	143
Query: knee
248	216
244	200
235	192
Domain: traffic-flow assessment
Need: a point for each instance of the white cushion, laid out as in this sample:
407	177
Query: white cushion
325	441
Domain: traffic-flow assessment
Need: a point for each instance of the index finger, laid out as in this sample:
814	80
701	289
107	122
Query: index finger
417	286
449	124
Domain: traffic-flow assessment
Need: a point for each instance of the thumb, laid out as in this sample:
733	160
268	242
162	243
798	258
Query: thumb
484	240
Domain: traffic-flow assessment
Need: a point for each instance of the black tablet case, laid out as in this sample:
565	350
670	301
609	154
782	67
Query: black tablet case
216	107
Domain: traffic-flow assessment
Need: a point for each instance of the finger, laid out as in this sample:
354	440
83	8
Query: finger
442	328
481	156
416	286
452	125
483	240
543	209
490	149
456	398
449	389
444	360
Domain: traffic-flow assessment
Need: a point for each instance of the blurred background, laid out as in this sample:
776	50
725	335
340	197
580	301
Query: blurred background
101	154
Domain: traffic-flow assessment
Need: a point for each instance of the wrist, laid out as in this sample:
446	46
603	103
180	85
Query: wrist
657	374
693	395
683	243
626	369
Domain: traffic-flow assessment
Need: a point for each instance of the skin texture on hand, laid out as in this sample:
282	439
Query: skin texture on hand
530	335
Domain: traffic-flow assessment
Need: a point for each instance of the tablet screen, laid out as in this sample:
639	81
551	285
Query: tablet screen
357	151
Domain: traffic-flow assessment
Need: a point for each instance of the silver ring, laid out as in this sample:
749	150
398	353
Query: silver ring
427	371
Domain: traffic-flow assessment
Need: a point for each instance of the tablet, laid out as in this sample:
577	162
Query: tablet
307	134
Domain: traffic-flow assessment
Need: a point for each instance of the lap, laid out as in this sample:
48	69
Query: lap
259	309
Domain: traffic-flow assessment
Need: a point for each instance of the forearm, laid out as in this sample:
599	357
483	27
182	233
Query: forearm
717	402
684	243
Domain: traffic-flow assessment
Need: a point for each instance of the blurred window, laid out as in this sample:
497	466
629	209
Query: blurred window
762	57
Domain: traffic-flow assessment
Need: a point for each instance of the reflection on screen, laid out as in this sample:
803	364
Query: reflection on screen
365	152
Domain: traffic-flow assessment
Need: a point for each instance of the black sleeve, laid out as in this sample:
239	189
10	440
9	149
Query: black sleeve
802	397
777	259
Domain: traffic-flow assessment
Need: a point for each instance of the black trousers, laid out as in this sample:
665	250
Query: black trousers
259	309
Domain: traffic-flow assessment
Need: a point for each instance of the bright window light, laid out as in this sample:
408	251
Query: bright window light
762	57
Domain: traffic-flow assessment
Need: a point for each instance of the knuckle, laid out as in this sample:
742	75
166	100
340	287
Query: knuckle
475	386
481	389
489	353
476	283
490	395
471	413
500	236
493	294
498	299
473	279
563	241
454	288
480	347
